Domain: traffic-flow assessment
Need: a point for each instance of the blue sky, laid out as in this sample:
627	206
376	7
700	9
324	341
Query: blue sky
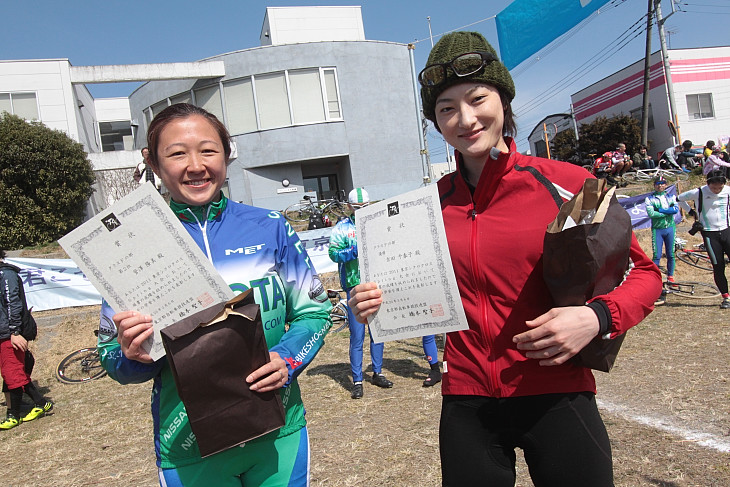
94	32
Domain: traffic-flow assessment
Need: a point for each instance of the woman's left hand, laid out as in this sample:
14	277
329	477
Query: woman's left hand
269	377
559	334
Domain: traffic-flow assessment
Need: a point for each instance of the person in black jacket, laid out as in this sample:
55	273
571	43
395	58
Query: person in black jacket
14	314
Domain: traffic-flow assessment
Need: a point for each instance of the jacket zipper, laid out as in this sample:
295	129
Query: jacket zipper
491	367
204	230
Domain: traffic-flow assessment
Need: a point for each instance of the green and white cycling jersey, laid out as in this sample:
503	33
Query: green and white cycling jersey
251	248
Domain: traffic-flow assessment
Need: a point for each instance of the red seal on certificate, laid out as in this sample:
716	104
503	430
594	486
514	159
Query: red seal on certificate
437	310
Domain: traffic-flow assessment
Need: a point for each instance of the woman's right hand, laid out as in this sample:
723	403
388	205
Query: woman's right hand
133	329
365	300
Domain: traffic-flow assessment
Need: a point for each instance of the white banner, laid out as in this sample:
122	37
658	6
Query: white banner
317	243
55	283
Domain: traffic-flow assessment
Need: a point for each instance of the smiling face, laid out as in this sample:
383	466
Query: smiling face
716	186
191	160
471	119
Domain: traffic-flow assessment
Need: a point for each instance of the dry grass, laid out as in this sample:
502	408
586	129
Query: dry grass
673	366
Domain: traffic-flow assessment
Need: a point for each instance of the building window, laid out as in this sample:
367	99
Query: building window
116	136
239	106
267	101
306	96
699	106
636	113
273	101
23	105
210	99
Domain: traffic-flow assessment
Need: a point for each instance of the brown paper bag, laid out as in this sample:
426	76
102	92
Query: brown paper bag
589	259
210	354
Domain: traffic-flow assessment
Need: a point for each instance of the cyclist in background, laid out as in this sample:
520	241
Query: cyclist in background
343	250
661	208
603	166
715	219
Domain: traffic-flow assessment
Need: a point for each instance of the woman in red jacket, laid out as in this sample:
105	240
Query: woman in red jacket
508	380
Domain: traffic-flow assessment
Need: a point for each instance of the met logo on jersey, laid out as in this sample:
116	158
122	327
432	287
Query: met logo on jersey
251	249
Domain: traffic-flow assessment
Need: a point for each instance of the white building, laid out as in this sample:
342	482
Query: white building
701	96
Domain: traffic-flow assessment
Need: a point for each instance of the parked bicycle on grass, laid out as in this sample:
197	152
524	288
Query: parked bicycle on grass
318	213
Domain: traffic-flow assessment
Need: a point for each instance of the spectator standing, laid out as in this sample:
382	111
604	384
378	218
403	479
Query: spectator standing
642	160
343	250
715	219
661	208
143	173
14	315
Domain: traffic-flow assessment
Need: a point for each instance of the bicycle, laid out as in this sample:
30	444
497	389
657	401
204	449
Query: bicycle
315	212
80	366
339	312
696	257
693	290
646	175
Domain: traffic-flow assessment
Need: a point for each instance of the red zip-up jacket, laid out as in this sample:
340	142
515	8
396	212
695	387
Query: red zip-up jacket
496	242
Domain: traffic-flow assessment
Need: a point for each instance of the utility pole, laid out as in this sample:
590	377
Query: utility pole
446	144
667	73
647	76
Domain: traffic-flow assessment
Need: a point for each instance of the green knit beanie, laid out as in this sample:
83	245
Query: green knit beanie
452	45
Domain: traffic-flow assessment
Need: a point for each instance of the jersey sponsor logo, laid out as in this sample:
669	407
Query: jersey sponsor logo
107	330
269	291
189	442
316	290
176	423
251	249
302	355
292	363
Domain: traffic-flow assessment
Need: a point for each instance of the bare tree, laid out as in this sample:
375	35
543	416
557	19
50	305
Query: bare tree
116	183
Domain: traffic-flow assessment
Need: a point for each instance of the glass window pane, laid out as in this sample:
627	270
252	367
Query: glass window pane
115	136
333	104
25	106
306	96
158	107
181	98
240	110
272	100
5	105
693	106
706	110
210	99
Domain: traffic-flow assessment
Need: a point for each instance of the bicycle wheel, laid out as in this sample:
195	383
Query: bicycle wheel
675	175
693	290
80	366
338	315
695	259
631	176
338	209
298	212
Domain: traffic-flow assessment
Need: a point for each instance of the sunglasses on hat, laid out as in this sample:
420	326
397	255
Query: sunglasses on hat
462	65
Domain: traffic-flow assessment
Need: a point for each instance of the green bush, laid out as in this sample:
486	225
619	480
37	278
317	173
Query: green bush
45	183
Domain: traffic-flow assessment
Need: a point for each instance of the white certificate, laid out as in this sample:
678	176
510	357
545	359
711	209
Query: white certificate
139	257
402	247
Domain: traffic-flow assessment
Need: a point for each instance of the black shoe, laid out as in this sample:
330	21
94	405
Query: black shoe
611	181
380	381
356	391
434	376
725	304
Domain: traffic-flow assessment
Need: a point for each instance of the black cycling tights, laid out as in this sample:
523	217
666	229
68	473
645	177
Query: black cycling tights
717	244
562	435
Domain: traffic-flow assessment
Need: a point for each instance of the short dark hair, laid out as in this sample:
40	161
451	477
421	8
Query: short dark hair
179	111
716	176
687	144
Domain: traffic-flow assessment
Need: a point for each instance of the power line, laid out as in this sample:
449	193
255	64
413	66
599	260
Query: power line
454	30
610	50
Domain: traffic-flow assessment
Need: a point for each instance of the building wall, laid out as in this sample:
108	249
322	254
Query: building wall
375	145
